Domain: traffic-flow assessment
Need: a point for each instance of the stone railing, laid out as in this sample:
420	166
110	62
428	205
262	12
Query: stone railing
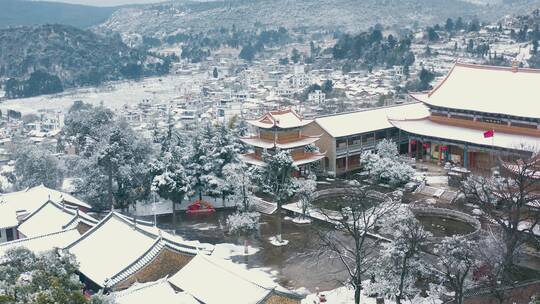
346	191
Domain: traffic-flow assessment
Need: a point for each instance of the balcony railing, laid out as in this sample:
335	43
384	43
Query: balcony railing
353	149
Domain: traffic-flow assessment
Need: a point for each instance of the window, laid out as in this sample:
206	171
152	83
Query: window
9	234
381	135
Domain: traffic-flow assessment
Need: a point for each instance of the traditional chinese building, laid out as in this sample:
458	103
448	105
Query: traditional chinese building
475	115
281	130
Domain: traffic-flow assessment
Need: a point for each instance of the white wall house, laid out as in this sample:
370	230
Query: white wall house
317	97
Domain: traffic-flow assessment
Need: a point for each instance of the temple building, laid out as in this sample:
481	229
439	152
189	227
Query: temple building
281	130
120	251
474	116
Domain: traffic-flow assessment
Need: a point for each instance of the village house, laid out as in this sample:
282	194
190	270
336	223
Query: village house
475	115
52	217
16	206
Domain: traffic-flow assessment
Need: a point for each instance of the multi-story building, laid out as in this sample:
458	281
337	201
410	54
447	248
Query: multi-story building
476	115
281	130
317	97
344	137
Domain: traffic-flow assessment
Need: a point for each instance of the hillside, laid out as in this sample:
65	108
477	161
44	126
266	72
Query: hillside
77	57
24	13
349	15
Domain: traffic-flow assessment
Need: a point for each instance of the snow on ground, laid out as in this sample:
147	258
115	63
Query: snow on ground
113	94
274	241
226	250
345	295
437	180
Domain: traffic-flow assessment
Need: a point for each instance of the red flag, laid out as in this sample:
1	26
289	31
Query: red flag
489	133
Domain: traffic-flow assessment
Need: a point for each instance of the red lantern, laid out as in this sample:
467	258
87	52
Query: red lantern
413	142
425	146
444	148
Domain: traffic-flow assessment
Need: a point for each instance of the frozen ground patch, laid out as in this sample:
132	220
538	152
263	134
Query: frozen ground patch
226	250
274	241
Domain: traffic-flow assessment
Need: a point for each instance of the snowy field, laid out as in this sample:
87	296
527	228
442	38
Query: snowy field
113	95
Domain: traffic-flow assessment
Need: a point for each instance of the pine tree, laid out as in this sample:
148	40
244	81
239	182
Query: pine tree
276	179
171	177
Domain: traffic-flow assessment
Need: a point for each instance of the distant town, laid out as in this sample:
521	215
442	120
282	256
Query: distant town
260	164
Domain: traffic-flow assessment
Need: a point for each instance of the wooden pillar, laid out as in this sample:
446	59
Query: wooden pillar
466	157
410	148
347	155
440	154
418	149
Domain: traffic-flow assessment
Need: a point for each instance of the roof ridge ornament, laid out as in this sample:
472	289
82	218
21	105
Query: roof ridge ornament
515	66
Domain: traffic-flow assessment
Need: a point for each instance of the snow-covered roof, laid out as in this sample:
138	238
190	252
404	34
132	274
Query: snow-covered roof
216	281
159	291
487	89
39	195
42	243
29	200
283	119
51	217
252	159
269	144
118	246
368	120
422	125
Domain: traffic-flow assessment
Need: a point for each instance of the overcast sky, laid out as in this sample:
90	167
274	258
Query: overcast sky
107	2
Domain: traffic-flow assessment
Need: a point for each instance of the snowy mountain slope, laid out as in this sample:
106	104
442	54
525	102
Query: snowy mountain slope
350	15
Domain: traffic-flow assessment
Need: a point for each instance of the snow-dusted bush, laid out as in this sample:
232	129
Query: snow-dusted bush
244	222
385	165
305	190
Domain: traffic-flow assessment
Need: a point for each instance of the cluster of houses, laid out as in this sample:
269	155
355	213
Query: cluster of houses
128	258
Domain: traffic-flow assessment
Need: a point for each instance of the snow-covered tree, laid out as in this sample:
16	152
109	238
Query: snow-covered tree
240	180
492	273
123	157
505	201
172	179
385	165
305	191
456	260
118	166
401	265
203	161
363	210
45	278
84	125
243	222
276	179
225	152
35	166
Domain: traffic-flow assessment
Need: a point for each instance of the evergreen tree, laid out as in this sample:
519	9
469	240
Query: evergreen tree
449	26
202	164
215	73
276	180
35	166
40	279
295	56
171	177
247	53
